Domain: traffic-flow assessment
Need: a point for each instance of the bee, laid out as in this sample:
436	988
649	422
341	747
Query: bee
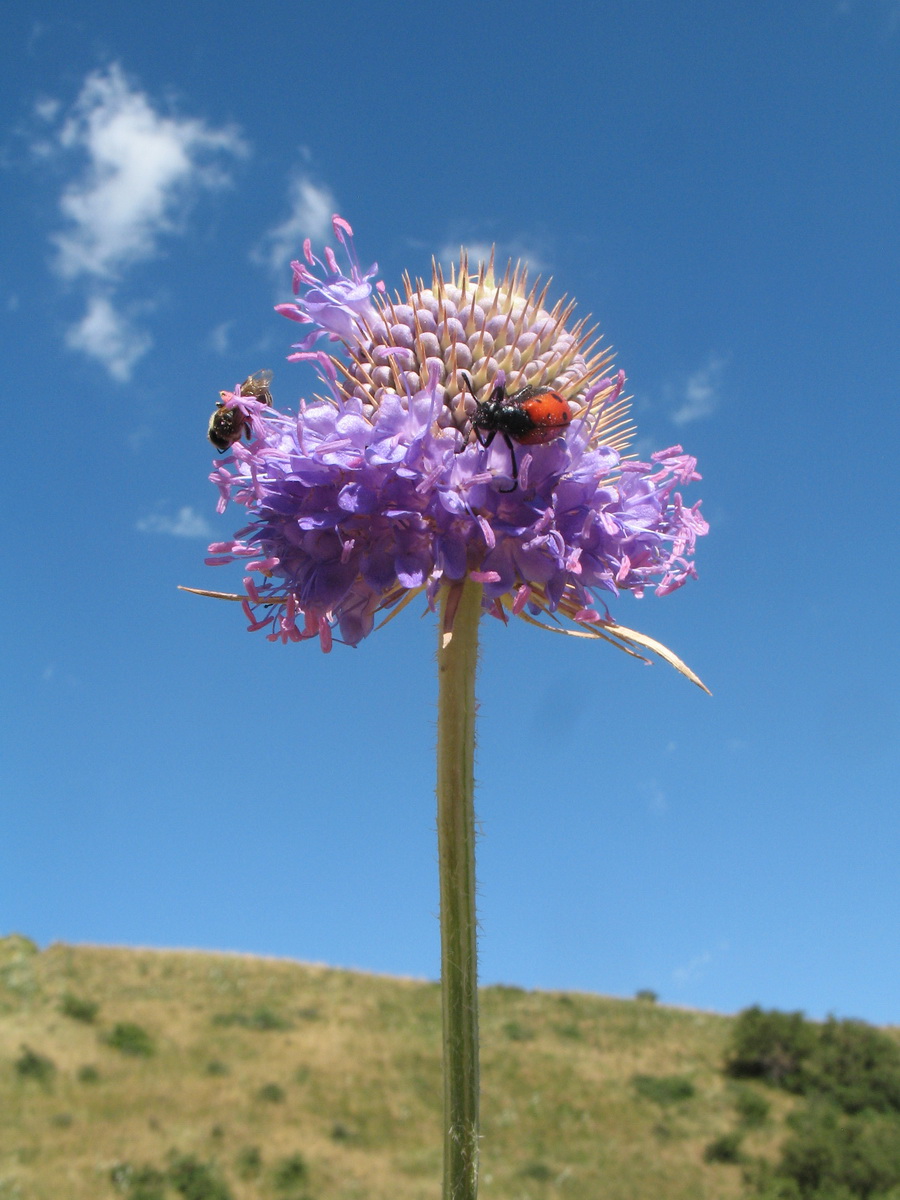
228	425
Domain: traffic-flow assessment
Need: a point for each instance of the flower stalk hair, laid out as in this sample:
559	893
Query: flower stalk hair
469	447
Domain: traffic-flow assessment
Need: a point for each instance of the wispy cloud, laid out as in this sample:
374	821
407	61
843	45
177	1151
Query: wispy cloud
311	208
220	337
139	172
697	966
700	393
693	969
106	334
187	523
142	169
657	800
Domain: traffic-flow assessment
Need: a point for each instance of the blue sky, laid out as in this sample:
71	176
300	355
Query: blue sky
718	185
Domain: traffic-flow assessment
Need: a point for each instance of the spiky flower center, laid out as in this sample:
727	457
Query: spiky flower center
476	326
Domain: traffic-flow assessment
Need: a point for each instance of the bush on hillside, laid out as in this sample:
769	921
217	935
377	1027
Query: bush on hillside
830	1156
773	1046
663	1089
248	1162
195	1180
849	1063
78	1008
856	1066
725	1149
752	1108
31	1065
289	1172
262	1019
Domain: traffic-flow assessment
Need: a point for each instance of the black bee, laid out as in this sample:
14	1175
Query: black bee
227	425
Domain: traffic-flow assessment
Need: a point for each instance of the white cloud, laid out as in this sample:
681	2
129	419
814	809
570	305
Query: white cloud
138	172
477	251
187	523
656	798
47	108
700	395
311	209
696	967
220	337
693	969
516	250
142	170
106	334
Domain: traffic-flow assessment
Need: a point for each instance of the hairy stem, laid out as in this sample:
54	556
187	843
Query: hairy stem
457	660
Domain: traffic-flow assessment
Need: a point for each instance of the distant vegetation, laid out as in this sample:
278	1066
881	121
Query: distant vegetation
843	1141
130	1038
142	1075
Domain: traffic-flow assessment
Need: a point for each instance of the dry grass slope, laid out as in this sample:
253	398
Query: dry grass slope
255	1061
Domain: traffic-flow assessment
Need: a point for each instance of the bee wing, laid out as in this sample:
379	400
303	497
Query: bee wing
257	386
259	379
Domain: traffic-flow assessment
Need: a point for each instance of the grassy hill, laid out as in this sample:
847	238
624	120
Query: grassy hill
151	1074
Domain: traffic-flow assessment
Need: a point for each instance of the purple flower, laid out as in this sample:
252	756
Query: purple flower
383	490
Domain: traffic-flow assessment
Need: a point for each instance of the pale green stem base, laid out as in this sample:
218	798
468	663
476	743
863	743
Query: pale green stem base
457	660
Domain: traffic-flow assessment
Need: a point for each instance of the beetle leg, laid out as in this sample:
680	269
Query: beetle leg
515	465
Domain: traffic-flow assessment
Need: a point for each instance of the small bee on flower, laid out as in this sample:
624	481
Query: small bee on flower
229	422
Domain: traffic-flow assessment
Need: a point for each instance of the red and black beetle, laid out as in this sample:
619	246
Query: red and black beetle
530	416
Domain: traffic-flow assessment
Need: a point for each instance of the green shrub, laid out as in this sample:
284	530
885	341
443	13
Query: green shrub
129	1038
773	1046
830	1155
248	1162
120	1176
289	1173
537	1170
856	1066
148	1184
752	1108
848	1062
138	1183
31	1065
78	1009
216	1067
571	1030
663	1089
647	995
517	1032
272	1093
196	1180
88	1074
261	1018
765	1184
725	1149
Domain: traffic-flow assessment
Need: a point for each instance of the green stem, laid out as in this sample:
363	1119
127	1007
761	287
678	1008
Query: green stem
457	660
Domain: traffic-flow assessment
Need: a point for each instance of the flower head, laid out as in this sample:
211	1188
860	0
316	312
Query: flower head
390	485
